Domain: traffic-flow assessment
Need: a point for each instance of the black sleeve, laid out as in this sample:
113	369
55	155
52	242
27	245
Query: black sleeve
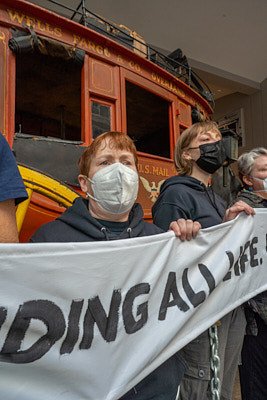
167	213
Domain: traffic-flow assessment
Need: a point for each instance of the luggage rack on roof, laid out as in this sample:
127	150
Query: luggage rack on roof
175	63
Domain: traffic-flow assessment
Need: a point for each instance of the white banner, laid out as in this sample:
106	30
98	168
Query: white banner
90	320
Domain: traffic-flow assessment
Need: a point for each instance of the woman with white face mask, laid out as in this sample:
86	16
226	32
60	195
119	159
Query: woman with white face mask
110	181
252	166
110	178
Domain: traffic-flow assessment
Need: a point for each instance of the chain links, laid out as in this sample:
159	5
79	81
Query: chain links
215	363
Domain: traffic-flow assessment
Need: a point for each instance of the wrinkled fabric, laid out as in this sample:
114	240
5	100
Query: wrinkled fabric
77	225
253	369
185	197
257	305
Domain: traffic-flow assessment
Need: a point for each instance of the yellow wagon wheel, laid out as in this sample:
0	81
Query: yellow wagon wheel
37	181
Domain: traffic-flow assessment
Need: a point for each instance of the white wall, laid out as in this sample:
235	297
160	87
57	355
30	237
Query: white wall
255	115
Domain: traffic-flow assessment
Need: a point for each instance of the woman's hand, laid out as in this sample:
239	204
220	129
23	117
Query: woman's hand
237	208
185	229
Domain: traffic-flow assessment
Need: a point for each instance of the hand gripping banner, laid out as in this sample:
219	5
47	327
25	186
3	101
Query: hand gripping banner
91	320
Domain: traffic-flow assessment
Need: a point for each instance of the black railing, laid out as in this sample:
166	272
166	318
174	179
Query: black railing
175	63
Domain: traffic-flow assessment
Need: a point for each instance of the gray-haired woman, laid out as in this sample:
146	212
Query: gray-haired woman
252	166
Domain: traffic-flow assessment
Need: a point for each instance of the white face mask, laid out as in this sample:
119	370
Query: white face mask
115	188
264	185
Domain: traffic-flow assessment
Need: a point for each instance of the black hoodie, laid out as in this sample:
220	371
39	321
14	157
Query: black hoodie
185	197
77	225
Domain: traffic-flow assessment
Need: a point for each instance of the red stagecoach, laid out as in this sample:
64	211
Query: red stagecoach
65	80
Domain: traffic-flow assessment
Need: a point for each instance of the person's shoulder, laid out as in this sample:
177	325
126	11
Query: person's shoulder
151	229
179	189
184	182
11	183
250	198
3	139
5	150
48	233
140	226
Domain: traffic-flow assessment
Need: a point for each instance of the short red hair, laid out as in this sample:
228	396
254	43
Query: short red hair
119	140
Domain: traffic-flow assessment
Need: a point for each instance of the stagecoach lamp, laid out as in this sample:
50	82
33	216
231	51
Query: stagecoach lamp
230	142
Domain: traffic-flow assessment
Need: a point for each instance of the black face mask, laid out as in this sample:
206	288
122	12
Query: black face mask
212	156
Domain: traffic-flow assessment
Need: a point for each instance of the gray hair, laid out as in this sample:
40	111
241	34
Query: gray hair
246	160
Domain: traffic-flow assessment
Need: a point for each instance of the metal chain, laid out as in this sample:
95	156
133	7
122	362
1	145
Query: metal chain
215	363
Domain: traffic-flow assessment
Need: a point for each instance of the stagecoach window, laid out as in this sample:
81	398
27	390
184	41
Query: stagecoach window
148	120
48	97
100	118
